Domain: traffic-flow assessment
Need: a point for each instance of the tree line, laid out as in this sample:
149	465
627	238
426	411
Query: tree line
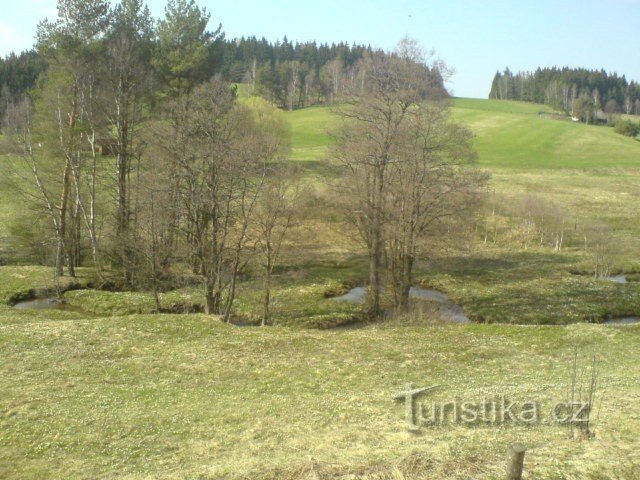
18	74
560	88
139	160
289	74
296	75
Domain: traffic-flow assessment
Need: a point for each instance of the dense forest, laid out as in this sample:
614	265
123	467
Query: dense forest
290	74
18	74
561	87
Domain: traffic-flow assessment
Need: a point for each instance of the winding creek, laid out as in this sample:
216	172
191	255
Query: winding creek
450	311
617	279
48	303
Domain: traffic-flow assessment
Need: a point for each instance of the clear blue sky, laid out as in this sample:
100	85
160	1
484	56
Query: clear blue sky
476	37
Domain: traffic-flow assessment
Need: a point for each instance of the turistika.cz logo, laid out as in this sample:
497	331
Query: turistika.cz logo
488	411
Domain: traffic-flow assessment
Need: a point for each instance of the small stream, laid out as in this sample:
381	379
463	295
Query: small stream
450	311
54	303
48	303
617	279
623	321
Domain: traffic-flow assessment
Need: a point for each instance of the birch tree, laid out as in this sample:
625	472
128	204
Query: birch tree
69	44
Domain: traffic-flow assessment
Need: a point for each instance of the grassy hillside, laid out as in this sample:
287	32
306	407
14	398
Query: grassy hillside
513	135
170	396
593	172
309	132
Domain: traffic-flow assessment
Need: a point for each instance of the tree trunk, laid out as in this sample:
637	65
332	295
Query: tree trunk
407	280
60	257
122	223
64	206
267	286
373	297
74	244
212	299
267	300
375	254
123	165
232	288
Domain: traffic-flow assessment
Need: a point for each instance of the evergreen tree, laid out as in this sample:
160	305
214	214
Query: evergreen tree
559	87
184	56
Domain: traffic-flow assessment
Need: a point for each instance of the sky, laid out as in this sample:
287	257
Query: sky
475	37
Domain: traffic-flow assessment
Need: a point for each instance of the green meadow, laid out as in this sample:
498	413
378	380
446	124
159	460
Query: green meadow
119	392
510	135
185	396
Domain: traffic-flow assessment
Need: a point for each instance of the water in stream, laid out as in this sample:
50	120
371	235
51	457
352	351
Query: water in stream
48	303
449	310
623	321
53	303
617	279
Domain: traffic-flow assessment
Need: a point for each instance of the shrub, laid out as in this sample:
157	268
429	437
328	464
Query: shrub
627	128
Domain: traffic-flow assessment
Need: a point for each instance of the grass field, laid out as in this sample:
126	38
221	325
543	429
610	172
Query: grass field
120	393
510	135
184	396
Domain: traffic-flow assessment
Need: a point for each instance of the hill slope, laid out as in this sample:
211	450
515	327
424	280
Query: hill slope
509	134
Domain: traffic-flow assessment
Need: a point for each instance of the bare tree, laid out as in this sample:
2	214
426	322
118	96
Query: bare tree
601	245
263	139
542	221
68	43
332	76
196	138
628	105
152	229
294	84
93	123
18	125
370	144
430	181
274	218
220	150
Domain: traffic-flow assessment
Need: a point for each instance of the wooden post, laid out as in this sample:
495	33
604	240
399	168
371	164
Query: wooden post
516	462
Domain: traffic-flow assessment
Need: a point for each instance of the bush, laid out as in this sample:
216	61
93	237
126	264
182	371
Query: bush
627	128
